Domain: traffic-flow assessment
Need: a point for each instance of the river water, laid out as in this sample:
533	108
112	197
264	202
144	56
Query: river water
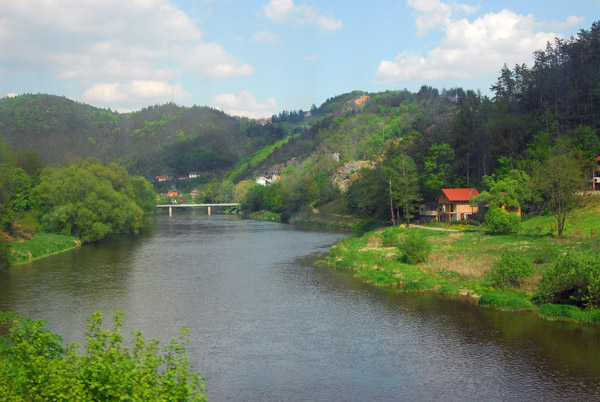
268	324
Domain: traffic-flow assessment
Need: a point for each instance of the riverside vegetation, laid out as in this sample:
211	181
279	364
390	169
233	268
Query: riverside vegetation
533	270
35	365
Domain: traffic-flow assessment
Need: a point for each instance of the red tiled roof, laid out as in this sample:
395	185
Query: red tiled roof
460	194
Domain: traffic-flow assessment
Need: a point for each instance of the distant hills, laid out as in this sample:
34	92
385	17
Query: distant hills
165	139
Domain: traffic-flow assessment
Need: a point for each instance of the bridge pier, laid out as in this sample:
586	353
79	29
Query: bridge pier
209	210
170	211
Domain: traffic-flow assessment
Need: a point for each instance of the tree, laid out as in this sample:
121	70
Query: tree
400	174
559	183
437	169
88	200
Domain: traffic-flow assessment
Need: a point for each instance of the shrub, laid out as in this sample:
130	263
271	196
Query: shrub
573	279
510	270
499	221
389	237
415	248
34	365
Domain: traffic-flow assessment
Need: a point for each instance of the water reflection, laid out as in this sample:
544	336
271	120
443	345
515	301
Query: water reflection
269	324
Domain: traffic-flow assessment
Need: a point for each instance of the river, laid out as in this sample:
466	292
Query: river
268	324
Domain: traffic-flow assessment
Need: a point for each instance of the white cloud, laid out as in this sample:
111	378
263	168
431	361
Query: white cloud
269	38
434	13
283	10
570	22
106	46
311	57
245	105
210	60
133	93
469	49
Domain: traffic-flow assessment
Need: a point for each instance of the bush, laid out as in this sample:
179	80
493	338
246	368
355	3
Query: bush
499	221
389	237
573	279
415	248
510	270
34	365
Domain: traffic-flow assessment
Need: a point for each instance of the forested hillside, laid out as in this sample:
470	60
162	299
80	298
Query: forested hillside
412	143
166	139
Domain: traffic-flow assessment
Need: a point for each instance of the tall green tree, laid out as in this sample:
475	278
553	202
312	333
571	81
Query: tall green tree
559	182
399	173
89	201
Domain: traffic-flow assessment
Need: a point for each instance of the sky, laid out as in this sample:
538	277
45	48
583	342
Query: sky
257	58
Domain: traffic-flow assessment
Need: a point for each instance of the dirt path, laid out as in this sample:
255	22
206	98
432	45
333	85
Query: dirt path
430	228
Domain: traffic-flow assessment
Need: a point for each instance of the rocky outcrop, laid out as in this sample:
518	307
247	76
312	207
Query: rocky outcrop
344	174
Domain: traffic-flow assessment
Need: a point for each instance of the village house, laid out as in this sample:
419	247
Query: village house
265	181
453	204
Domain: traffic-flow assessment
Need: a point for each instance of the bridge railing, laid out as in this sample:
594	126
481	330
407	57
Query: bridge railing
171	206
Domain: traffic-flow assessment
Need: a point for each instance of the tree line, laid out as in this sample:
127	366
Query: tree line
85	199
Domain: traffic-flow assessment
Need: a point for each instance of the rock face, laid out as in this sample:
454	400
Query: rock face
346	173
278	168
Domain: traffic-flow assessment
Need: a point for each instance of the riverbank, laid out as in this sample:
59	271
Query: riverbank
330	216
459	264
43	245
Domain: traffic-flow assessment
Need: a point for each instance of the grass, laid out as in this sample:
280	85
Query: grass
42	245
459	262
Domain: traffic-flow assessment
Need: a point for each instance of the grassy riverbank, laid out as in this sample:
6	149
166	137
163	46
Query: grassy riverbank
460	261
43	245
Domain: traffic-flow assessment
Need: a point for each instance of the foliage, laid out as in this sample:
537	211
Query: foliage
500	221
399	172
34	365
88	200
42	245
559	180
415	248
573	279
508	301
512	190
510	270
437	169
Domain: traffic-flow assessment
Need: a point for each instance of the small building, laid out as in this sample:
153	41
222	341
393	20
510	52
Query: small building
453	204
172	194
163	178
263	181
195	193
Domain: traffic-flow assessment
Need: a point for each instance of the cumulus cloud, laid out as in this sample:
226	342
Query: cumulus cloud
105	52
122	94
212	61
245	105
569	23
285	10
269	38
468	49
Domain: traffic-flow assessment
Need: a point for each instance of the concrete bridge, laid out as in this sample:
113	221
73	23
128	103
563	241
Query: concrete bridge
171	206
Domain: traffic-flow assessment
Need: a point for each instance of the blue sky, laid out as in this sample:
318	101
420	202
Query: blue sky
257	58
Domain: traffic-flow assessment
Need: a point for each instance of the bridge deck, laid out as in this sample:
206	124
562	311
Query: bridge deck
197	205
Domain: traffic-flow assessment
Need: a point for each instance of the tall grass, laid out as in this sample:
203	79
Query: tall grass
42	245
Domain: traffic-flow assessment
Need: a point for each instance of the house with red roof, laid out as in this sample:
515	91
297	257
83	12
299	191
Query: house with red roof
453	204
